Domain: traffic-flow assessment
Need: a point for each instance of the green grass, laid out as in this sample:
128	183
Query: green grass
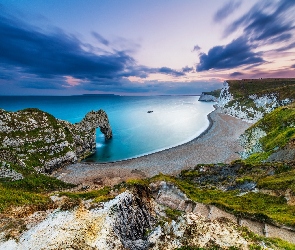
37	183
282	181
285	88
206	248
98	195
189	174
196	248
244	179
33	190
262	207
257	158
173	214
10	197
279	126
34	138
279	243
272	243
214	93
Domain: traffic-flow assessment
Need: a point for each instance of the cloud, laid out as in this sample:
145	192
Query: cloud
57	55
235	54
267	22
286	47
41	84
187	69
293	66
169	71
226	10
143	71
234	74
154	87
48	55
197	48
100	38
280	38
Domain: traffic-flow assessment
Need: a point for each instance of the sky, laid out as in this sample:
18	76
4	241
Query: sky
142	47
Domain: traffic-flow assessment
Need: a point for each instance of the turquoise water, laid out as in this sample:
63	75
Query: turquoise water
174	120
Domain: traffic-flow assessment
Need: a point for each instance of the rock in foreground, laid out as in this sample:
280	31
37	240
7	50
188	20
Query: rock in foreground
133	220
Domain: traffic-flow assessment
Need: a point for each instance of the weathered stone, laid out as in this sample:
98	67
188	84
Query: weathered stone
6	172
276	232
133	220
189	207
35	138
201	209
216	213
255	226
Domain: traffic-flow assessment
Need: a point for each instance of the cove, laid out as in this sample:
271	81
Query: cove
174	120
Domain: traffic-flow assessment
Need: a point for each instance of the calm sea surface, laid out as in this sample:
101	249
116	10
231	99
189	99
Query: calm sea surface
174	120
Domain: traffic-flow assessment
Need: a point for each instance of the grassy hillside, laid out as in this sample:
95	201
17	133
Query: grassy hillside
279	126
284	87
221	185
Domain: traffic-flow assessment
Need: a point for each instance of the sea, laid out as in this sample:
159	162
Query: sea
137	131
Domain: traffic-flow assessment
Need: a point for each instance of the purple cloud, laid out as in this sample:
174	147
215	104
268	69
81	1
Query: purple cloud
197	48
100	38
232	55
260	24
235	74
265	23
226	10
44	55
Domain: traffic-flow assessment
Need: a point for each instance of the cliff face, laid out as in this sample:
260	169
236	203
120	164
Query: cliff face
268	104
34	140
156	217
250	100
271	138
132	220
207	98
211	96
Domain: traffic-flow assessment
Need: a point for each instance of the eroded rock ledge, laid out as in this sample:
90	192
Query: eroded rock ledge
139	219
33	139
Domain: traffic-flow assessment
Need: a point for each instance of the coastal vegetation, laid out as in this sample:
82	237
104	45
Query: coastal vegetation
33	141
283	87
279	132
34	190
227	194
251	99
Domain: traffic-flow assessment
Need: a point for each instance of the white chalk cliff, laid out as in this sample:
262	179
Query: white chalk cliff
261	105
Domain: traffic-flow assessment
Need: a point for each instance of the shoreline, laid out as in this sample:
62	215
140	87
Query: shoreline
218	143
161	150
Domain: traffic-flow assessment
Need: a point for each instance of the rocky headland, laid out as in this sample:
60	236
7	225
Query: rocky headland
207	98
210	96
35	140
